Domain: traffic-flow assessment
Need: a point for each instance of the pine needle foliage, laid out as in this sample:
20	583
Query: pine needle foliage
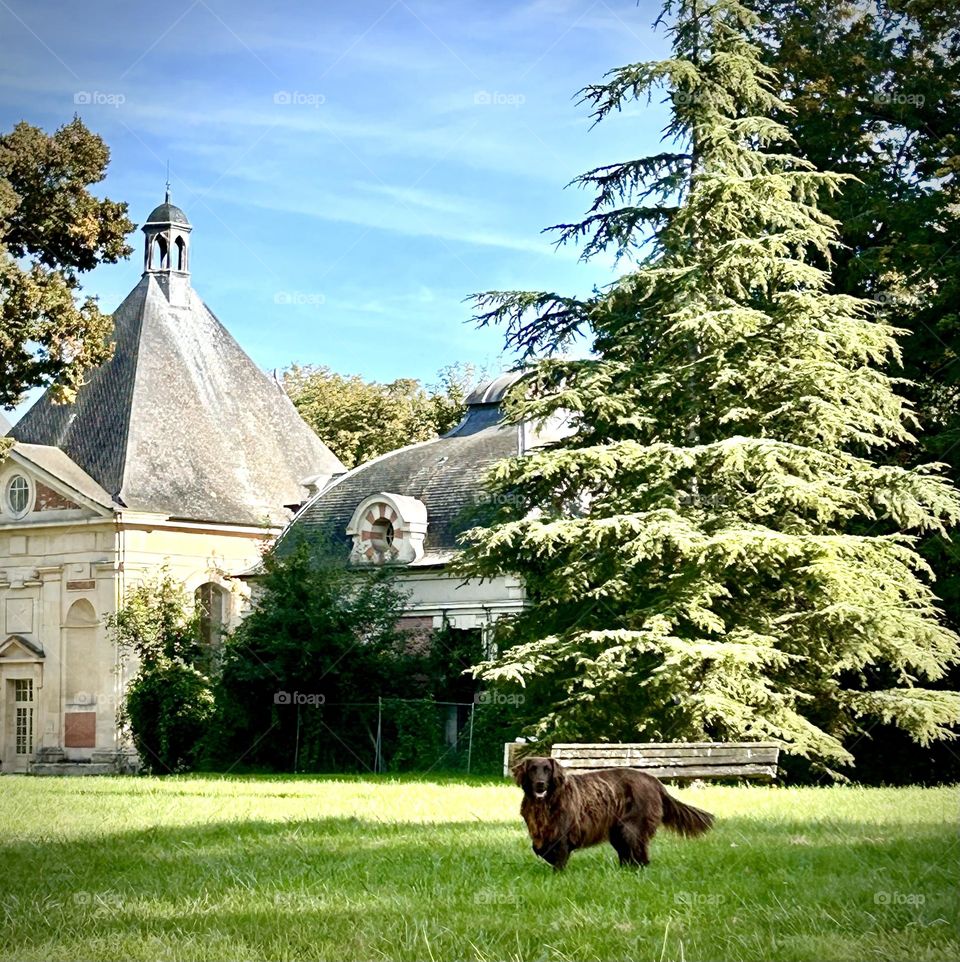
716	551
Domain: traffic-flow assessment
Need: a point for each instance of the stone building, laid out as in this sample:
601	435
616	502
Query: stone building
407	508
178	451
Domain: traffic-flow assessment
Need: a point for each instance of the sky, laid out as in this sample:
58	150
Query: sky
352	171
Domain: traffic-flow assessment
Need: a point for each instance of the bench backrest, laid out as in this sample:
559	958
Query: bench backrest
676	759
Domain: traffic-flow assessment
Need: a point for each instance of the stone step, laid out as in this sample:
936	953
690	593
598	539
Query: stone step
72	768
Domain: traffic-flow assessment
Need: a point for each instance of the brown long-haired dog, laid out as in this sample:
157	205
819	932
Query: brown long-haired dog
566	811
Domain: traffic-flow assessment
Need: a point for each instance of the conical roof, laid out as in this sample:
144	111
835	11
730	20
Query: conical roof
181	421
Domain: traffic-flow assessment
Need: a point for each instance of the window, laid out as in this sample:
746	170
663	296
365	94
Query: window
18	494
181	254
23	701
387	528
382	531
210	600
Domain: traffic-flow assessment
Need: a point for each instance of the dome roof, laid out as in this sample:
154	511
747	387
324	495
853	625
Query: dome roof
167	213
492	392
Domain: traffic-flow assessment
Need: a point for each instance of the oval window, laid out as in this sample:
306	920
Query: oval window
18	494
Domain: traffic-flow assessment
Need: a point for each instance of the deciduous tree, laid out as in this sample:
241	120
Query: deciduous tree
360	420
52	230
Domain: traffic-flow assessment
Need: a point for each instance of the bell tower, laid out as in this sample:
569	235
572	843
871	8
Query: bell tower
166	251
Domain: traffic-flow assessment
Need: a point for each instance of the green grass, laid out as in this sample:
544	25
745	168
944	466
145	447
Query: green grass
199	868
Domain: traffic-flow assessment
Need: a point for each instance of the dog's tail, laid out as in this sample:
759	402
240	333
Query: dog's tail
684	819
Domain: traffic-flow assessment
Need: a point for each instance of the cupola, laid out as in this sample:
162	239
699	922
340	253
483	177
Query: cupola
166	250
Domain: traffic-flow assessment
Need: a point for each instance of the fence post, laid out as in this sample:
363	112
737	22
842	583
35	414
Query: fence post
296	744
473	706
376	760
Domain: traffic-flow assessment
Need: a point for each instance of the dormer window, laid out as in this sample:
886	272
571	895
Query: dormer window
18	495
388	529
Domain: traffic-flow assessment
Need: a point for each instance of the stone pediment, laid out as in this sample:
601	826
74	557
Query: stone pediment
18	648
40	483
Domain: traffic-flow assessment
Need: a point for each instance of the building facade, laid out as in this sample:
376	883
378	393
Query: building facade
178	452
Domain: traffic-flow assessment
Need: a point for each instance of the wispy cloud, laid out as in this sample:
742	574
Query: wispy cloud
393	156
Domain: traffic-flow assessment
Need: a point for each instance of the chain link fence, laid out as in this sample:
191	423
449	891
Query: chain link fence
401	735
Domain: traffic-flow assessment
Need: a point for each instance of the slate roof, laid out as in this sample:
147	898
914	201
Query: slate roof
447	474
167	213
181	422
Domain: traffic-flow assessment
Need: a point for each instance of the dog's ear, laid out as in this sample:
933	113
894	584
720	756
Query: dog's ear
519	770
558	771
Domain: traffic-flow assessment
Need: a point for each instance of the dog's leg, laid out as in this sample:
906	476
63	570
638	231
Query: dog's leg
562	855
641	854
631	844
620	844
645	830
556	853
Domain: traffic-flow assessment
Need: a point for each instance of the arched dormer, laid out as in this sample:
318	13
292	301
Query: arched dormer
388	529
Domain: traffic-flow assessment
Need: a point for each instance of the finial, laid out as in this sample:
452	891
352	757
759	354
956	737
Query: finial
167	198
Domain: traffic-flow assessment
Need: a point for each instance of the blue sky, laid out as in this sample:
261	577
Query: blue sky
352	170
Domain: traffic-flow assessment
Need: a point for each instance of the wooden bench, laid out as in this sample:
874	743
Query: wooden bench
679	760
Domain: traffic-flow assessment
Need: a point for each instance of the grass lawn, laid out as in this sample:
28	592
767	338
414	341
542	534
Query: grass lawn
200	868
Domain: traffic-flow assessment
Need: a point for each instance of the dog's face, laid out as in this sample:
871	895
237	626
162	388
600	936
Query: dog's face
539	777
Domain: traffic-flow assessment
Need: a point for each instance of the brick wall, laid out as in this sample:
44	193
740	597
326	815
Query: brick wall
49	500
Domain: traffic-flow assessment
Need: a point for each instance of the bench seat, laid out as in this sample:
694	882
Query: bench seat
677	760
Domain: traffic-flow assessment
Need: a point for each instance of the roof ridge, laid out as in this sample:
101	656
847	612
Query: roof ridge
148	279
